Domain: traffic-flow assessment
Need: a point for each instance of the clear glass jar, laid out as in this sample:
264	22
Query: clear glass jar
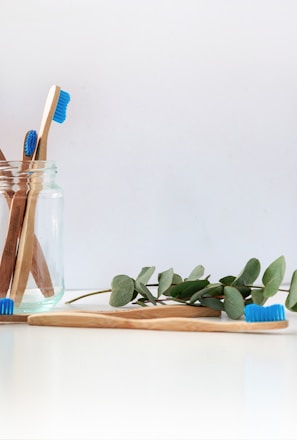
31	235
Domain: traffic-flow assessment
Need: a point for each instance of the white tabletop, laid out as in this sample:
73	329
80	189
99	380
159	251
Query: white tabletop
71	383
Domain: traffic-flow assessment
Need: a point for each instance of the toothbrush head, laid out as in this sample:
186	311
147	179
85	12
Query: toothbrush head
6	306
60	112
30	143
257	313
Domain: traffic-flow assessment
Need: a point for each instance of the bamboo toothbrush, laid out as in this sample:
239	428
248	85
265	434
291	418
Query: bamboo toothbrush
6	315
16	215
270	320
55	109
39	267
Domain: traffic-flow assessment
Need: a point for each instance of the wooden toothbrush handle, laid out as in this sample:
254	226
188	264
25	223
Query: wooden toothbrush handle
17	203
40	271
164	311
91	320
7	262
24	257
137	313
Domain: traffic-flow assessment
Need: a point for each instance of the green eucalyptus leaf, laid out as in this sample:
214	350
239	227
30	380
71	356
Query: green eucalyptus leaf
258	296
228	280
293	308
213	303
273	276
244	290
142	299
186	289
144	276
233	302
140	302
165	280
196	273
215	289
176	279
122	290
135	293
147	293
291	301
249	274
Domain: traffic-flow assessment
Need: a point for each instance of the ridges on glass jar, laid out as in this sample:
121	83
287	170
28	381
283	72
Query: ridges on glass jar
31	235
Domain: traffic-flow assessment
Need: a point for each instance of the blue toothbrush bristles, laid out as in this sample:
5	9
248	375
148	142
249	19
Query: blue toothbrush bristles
30	143
6	306
256	313
60	113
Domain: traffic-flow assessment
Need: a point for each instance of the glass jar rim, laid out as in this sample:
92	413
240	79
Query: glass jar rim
18	161
27	164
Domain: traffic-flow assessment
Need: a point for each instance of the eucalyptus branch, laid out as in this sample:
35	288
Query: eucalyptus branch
229	294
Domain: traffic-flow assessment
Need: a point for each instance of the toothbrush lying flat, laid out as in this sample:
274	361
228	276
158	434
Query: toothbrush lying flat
6	315
17	203
91	320
171	318
55	109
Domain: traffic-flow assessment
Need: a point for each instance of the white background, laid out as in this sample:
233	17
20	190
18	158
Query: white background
179	146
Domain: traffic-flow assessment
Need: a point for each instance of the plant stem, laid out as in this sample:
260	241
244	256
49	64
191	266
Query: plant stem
261	287
98	292
86	295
